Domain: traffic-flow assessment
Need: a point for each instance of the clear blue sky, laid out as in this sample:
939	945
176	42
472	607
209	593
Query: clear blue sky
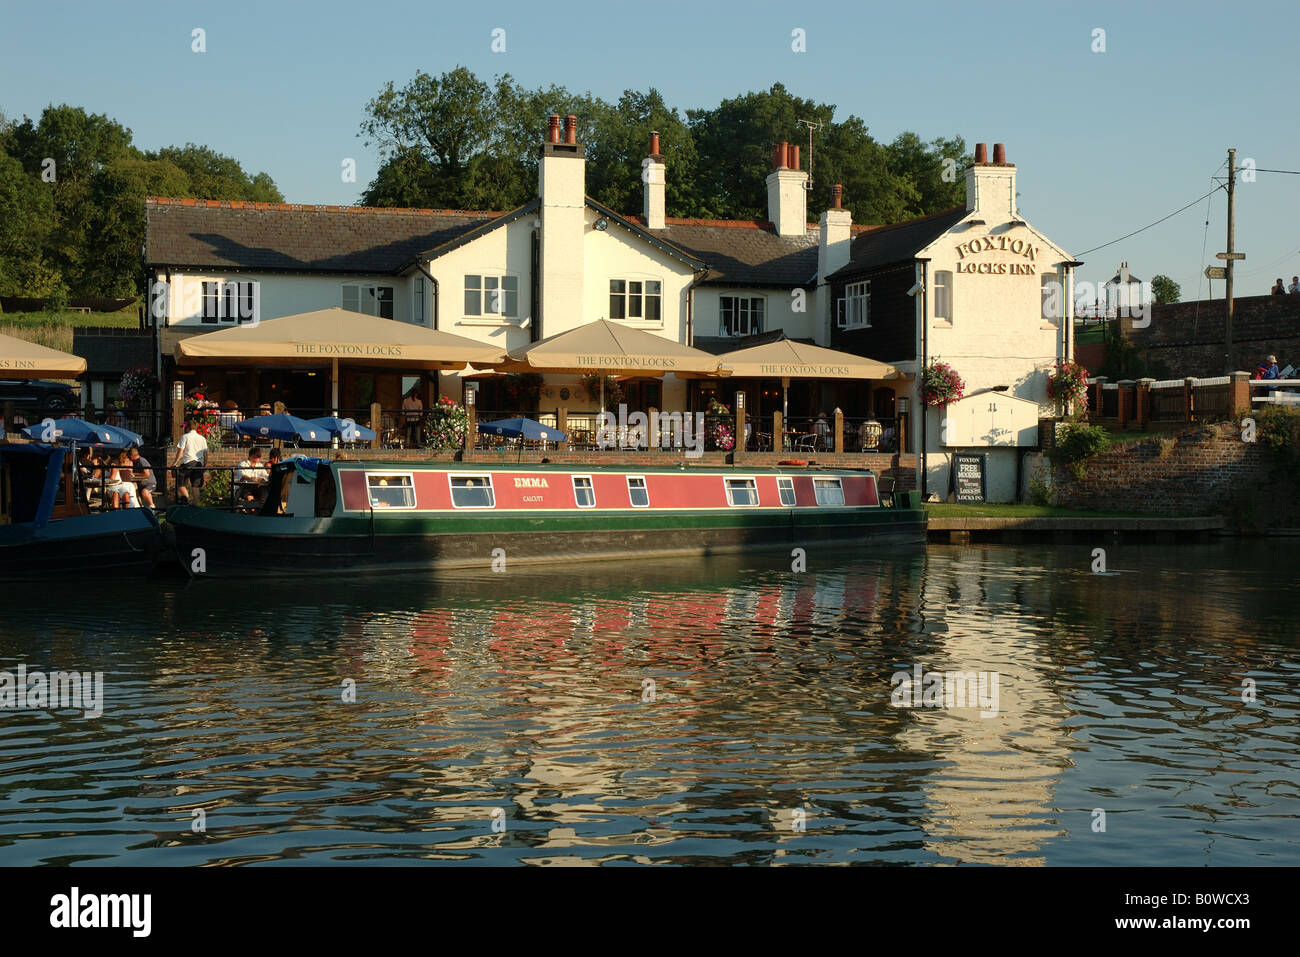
1105	142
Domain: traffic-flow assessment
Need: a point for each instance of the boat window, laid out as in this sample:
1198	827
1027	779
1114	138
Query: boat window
472	491
742	492
390	489
637	492
829	491
583	493
786	488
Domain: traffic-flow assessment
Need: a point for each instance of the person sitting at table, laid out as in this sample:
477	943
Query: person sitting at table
122	489
251	476
144	473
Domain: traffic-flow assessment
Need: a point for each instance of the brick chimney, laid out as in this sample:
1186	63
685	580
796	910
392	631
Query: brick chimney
991	187
653	176
834	238
787	198
561	173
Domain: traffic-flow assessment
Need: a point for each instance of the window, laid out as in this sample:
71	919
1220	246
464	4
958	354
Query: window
390	489
637	493
741	315
369	300
583	494
943	294
854	307
492	296
231	302
636	299
472	491
1052	297
417	302
786	487
828	491
742	492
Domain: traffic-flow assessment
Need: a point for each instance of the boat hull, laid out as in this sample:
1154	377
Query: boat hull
125	542
239	545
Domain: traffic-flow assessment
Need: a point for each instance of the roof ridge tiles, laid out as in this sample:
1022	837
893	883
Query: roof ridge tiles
313	208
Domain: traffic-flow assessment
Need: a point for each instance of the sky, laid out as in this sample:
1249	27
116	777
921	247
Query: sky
1106	141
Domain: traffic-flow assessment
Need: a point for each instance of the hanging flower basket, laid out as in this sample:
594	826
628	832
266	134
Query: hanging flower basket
446	425
202	411
1068	384
137	385
941	385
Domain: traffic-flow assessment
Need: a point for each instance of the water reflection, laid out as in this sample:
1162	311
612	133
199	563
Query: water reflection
673	712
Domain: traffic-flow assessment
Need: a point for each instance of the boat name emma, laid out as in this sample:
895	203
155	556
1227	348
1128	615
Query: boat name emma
531	483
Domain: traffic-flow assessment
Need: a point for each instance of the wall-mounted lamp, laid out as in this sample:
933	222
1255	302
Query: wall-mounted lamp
602	224
901	404
740	401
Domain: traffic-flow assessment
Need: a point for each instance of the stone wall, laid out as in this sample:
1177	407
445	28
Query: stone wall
1188	336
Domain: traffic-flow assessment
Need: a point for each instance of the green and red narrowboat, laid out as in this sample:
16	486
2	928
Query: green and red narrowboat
339	515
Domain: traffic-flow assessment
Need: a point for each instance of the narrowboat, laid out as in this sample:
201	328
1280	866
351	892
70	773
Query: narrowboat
323	515
46	532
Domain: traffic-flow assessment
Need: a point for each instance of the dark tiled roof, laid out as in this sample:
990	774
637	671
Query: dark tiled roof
882	245
279	236
743	252
719	345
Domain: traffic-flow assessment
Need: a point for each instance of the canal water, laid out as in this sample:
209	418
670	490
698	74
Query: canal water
724	710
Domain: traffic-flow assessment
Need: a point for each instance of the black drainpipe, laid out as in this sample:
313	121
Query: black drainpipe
925	356
420	266
690	304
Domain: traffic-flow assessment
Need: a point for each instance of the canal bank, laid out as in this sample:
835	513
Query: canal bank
1015	529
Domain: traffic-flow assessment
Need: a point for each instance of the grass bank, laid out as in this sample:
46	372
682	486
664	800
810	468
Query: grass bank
54	329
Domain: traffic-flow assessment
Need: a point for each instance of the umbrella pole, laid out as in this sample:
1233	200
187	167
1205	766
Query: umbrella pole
334	384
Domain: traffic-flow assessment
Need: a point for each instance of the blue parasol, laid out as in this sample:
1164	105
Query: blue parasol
281	425
81	432
345	429
521	428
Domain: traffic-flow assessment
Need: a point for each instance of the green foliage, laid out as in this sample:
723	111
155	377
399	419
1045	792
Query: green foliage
446	425
1076	443
1278	430
1165	289
75	228
216	487
1039	494
1124	360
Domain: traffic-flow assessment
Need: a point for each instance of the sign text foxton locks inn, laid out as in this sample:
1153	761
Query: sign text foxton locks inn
983	244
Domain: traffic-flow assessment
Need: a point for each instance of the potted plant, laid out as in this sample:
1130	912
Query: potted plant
719	432
940	384
446	425
202	411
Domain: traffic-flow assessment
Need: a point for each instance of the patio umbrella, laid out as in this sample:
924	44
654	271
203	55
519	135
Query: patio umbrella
81	432
336	426
21	359
521	428
281	425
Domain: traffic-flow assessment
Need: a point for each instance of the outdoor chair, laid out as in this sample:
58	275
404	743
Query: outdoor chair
806	443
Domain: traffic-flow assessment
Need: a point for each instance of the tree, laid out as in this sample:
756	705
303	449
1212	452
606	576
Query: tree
26	219
1165	290
214	176
925	166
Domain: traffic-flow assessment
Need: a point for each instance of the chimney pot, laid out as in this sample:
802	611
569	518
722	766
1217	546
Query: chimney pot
792	156
654	143
779	156
553	128
571	128
981	154
999	155
837	196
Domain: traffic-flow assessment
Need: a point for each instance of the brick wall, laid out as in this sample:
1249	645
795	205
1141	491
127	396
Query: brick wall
1203	473
1188	336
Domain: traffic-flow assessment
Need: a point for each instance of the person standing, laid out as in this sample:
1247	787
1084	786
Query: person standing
414	410
1279	288
1294	288
191	452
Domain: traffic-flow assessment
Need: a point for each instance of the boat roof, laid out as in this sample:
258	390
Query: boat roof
583	468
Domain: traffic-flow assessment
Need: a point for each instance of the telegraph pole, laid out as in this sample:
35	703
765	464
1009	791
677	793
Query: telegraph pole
1227	324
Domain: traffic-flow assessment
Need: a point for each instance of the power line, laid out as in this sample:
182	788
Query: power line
1156	223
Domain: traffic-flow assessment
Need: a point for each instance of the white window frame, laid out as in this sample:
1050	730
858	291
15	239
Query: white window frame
785	483
819	483
373	288
752	481
486	296
853	309
486	476
591	486
641	298
223	299
410	476
943	295
645	487
753	322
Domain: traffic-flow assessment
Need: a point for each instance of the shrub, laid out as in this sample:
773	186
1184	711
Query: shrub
1076	443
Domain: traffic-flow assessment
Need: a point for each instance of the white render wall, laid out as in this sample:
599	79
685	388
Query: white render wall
281	294
780	311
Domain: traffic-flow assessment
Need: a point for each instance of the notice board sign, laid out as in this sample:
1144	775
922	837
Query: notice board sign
968	469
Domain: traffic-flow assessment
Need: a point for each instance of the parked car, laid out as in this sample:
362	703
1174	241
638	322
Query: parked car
38	396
